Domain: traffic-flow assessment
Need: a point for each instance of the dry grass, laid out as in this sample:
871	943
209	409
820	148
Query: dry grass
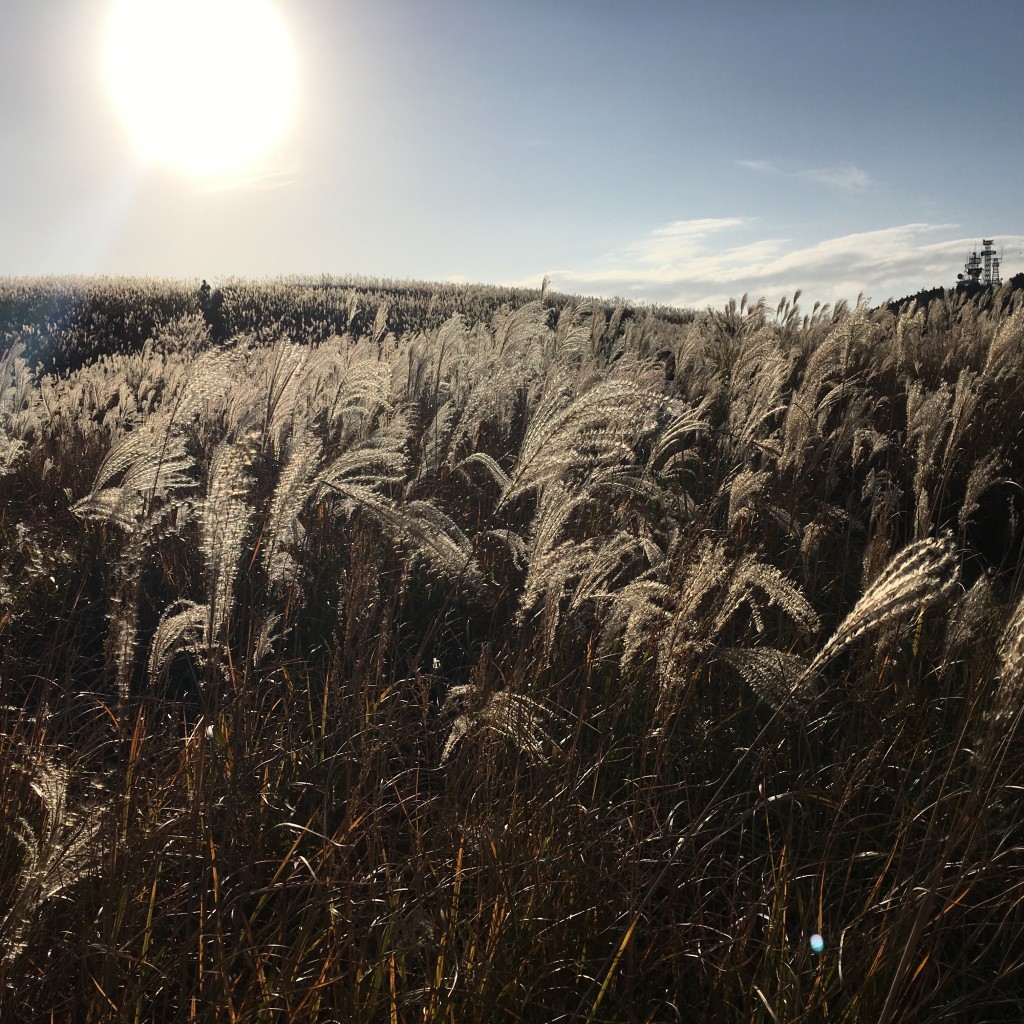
541	662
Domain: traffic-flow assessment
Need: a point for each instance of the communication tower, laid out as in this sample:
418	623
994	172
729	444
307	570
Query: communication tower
989	263
982	268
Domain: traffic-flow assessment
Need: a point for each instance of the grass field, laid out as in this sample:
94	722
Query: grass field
377	651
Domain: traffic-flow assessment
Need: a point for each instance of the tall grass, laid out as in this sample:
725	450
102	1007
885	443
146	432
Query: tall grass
547	663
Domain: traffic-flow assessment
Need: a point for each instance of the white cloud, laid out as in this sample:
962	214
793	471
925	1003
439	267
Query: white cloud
844	176
681	240
691	263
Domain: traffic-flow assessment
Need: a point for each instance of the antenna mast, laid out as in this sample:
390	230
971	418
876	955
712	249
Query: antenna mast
982	268
990	263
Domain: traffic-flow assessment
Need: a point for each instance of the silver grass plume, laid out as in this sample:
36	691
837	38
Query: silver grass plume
614	562
615	321
519	719
549	561
19	393
155	466
425	531
679	613
758	586
828	381
225	516
521	327
421	370
376	461
917	577
576	435
1003	716
511	540
490	464
267	637
778	677
562	564
124	615
436	441
755	388
380	322
351	495
985	473
59	847
279	390
12	368
617	484
431	535
640	613
155	470
972	618
590	571
688	598
910	326
11	451
677	438
579	330
294	487
348	388
182	628
964	414
206	389
928	420
1004	354
495	388
745	490
829	425
868	444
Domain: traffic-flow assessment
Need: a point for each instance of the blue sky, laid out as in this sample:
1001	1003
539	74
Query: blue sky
672	152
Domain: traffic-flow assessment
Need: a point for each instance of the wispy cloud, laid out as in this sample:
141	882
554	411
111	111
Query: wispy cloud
681	240
843	176
706	262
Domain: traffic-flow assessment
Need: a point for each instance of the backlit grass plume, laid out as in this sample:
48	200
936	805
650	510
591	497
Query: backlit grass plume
224	517
917	577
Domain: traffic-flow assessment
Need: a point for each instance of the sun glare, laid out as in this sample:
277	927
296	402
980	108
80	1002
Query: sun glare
205	86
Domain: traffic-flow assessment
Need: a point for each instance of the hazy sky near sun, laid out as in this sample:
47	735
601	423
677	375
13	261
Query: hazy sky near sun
672	152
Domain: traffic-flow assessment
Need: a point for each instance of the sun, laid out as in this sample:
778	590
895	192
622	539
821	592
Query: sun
205	87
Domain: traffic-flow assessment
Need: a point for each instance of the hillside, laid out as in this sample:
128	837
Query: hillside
375	651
